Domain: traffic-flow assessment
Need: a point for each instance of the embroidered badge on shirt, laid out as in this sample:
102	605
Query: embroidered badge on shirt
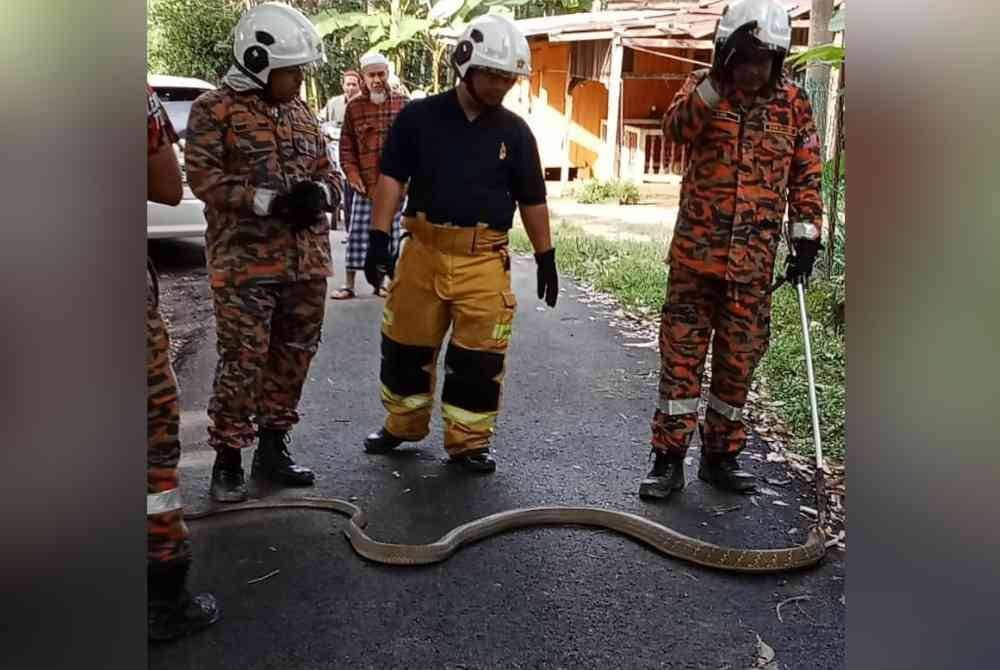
503	151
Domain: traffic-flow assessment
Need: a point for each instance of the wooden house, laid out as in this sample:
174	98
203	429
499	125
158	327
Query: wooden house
601	82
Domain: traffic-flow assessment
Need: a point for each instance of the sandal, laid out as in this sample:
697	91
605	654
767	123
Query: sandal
343	293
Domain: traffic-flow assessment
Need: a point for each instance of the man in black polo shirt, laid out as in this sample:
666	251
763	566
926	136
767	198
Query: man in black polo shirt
469	162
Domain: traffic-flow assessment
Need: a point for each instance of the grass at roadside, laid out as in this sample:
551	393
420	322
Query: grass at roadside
782	371
632	271
635	274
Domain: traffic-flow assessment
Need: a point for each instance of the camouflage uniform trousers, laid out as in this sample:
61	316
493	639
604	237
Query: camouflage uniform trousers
740	316
268	333
167	534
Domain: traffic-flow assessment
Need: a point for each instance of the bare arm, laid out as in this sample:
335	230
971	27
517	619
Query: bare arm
163	177
385	204
536	224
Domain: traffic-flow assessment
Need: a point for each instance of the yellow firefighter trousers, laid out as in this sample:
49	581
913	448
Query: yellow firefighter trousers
457	277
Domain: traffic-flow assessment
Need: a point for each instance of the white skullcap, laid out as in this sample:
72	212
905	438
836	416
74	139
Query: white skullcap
374	59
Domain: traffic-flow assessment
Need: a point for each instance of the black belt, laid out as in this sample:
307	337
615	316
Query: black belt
467	225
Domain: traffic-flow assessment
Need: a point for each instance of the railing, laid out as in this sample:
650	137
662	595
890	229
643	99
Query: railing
646	155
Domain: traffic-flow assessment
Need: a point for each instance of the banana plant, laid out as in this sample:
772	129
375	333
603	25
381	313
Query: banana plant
407	22
828	54
451	17
385	30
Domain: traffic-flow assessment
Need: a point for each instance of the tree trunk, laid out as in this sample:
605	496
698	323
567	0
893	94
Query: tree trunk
818	75
436	55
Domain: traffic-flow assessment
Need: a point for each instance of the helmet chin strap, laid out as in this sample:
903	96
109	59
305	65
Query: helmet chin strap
777	64
254	78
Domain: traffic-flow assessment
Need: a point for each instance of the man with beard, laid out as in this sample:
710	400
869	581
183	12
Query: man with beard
754	153
366	124
468	163
257	159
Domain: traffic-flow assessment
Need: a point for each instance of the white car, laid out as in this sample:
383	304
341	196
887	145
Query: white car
188	218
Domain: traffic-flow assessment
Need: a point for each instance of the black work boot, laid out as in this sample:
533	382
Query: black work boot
666	476
228	482
271	460
172	611
723	471
475	461
381	442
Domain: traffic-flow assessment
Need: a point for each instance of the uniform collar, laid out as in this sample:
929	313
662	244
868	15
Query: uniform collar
256	99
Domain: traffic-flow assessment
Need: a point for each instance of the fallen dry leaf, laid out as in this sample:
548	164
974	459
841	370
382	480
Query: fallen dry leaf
765	654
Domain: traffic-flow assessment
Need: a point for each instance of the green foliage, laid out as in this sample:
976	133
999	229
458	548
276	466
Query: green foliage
828	54
194	37
593	191
191	38
838	193
535	8
782	371
409	31
384	31
632	271
627	192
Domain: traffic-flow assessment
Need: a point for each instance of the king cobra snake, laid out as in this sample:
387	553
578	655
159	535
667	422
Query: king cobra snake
659	537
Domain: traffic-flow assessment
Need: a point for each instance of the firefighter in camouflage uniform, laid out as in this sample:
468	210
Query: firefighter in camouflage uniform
467	163
172	610
255	155
754	152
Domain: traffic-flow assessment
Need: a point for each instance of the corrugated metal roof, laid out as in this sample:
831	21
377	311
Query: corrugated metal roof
588	21
695	20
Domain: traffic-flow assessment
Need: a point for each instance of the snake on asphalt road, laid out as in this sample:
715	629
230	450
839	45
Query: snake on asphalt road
657	536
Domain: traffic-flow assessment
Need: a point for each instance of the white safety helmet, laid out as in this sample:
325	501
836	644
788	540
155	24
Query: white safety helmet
492	42
272	36
773	30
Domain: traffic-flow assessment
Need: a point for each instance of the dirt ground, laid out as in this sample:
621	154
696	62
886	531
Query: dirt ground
652	219
185	297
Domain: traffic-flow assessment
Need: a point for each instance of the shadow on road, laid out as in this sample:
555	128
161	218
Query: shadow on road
177	255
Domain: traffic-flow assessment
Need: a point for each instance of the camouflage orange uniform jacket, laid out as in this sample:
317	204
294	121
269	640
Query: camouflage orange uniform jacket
366	125
240	153
746	167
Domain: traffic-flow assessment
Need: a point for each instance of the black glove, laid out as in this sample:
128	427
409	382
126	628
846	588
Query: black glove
548	279
379	262
301	206
800	264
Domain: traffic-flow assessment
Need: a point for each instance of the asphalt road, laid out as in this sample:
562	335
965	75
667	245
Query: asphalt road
574	429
